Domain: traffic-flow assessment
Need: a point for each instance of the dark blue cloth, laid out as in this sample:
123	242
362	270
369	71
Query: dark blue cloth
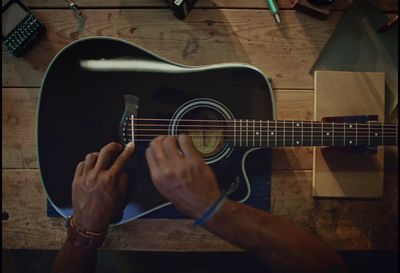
260	194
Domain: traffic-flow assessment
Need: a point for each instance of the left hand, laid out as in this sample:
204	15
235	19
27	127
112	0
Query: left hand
99	187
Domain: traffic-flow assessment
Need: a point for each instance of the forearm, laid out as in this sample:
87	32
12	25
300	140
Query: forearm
99	189
283	246
73	259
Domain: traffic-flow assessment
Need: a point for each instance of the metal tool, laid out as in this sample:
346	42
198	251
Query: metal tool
78	16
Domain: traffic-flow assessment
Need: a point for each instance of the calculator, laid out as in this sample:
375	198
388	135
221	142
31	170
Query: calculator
20	28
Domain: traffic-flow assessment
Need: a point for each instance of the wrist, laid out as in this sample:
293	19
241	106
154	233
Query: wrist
215	207
226	211
216	203
81	238
91	224
205	205
76	250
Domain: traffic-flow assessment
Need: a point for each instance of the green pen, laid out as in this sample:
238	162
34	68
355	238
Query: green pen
274	9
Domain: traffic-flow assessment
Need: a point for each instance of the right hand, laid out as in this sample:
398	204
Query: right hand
181	175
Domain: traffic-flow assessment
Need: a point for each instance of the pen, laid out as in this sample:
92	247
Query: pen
274	9
389	23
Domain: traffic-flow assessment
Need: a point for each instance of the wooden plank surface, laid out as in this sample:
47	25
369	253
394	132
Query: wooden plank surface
344	224
291	194
349	175
216	31
209	36
285	54
386	5
19	128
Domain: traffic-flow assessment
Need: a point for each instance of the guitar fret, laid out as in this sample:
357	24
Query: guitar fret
376	130
234	132
344	133
254	133
322	134
369	134
247	133
356	134
283	133
302	133
240	132
350	133
260	133
297	132
292	132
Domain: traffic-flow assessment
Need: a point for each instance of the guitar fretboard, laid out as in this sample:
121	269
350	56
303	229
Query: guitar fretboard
253	133
270	133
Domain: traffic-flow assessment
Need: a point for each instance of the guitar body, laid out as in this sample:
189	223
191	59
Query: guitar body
81	110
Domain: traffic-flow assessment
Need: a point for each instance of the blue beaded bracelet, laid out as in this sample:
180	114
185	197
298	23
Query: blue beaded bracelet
217	205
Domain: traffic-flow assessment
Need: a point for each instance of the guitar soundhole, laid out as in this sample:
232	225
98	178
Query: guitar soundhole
206	127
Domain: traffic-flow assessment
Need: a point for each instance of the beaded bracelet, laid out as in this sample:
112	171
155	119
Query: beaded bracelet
217	204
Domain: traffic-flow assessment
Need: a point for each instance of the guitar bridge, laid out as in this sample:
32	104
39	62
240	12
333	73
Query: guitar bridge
127	126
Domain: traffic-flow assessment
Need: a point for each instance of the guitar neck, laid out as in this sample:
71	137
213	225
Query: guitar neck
284	133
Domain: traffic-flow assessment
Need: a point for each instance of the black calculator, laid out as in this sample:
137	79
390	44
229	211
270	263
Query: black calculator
20	28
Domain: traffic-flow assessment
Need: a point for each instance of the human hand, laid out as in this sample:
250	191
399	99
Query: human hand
99	187
181	175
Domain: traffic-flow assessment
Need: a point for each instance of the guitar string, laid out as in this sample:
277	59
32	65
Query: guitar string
252	132
269	128
265	124
285	123
280	133
218	120
280	139
272	136
279	129
304	143
336	126
314	132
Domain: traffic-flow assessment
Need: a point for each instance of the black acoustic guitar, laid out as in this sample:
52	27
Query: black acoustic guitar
98	90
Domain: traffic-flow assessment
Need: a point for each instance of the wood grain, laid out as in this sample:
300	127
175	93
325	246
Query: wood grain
350	175
386	5
209	36
343	225
216	31
19	128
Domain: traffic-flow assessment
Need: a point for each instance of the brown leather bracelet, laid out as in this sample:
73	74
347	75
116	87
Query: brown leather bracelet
80	237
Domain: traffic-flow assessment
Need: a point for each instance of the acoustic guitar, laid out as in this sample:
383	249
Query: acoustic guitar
98	90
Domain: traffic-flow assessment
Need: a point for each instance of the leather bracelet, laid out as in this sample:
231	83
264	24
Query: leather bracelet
80	237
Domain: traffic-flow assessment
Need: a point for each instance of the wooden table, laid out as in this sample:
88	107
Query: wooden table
216	31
